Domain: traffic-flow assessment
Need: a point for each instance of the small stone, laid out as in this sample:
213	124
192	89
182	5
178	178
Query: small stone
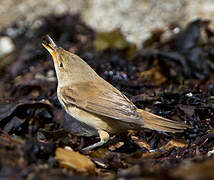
189	94
6	46
210	153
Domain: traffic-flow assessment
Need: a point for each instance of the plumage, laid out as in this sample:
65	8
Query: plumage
92	100
106	101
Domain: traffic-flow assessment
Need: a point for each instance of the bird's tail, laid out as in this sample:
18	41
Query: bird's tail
159	123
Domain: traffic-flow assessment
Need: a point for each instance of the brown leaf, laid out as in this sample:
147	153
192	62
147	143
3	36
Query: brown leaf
154	76
140	142
74	160
164	149
174	143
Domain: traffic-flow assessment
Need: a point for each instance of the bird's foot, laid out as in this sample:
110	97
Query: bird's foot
104	138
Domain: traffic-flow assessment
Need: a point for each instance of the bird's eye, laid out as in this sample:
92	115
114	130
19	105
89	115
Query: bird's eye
60	64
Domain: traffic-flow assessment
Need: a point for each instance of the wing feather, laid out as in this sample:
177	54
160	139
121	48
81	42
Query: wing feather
102	100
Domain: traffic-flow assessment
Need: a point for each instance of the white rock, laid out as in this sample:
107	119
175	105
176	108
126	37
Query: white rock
6	46
189	94
210	153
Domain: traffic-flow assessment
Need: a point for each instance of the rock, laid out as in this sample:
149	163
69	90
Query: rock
136	19
6	46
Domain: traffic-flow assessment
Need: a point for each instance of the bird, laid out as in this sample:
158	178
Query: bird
90	99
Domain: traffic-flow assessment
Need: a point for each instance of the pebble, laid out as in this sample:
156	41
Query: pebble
210	153
6	46
189	94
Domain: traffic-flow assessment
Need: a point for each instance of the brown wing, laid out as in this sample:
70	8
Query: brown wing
102	100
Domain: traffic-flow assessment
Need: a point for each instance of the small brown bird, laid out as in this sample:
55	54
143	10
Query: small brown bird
90	99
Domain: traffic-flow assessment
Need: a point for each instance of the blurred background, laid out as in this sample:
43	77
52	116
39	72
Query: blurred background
136	19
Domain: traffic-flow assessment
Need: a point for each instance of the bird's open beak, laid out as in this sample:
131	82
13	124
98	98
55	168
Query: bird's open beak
49	44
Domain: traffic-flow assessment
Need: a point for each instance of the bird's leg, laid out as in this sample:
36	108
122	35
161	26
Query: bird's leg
104	137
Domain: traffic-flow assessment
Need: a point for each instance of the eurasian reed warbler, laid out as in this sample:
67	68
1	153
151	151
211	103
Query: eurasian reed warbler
90	99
